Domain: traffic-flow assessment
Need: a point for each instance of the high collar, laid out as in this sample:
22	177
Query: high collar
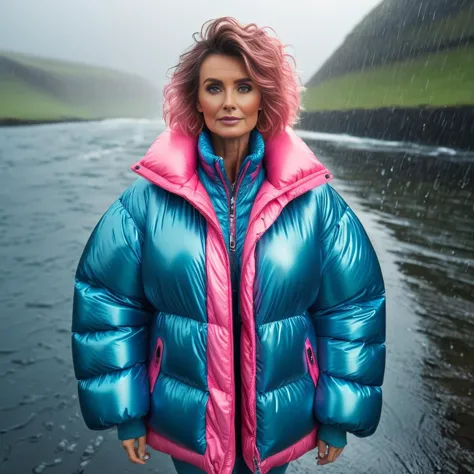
172	158
213	165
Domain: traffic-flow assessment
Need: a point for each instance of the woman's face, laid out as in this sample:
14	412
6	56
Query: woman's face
225	90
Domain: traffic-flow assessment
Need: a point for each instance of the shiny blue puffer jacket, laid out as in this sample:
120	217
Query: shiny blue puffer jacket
220	319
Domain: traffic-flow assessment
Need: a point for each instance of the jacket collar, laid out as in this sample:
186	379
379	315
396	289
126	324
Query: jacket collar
213	165
173	158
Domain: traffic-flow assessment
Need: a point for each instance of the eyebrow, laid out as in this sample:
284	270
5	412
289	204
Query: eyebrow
211	79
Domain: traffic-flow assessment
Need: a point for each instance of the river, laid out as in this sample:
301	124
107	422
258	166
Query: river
417	205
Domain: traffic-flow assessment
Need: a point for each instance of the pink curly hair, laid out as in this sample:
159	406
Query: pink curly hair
266	63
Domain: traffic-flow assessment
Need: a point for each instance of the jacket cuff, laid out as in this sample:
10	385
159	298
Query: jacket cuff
332	435
131	429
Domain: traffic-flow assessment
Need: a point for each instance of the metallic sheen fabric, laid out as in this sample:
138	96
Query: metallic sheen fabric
318	286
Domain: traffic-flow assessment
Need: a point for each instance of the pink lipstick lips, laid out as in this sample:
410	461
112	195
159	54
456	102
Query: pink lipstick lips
229	120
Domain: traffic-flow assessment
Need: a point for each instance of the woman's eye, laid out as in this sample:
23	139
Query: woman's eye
246	87
214	89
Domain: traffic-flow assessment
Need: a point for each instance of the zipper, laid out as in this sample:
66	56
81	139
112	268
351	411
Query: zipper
154	369
231	196
256	465
312	365
232	232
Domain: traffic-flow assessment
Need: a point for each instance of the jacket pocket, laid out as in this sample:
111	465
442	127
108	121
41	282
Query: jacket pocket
155	364
312	363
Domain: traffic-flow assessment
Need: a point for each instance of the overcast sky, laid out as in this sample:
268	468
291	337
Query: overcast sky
147	36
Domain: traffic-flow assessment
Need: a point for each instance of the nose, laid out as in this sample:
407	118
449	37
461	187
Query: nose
229	102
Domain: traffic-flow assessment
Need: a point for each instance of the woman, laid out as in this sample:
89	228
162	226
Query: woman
229	309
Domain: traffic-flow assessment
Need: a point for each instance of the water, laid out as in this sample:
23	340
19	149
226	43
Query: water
416	204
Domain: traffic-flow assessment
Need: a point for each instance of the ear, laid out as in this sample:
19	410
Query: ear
198	107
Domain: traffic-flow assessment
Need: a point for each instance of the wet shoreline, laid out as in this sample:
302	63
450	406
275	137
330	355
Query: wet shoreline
15	122
449	126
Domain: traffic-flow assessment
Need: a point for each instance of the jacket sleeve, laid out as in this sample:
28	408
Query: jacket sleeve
349	320
110	326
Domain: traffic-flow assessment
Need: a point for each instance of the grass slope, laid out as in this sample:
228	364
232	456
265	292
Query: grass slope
458	26
445	78
405	53
33	88
397	30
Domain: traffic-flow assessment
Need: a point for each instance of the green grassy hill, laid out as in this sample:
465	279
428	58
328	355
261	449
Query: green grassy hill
41	89
405	53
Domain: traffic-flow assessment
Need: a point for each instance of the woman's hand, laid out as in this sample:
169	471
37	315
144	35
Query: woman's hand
137	456
326	457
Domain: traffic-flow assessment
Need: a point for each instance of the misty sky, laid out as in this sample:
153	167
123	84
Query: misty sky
147	36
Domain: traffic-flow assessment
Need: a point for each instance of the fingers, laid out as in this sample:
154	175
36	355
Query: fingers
338	453
332	454
141	448
129	446
321	449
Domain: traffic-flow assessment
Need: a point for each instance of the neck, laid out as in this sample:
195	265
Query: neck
233	151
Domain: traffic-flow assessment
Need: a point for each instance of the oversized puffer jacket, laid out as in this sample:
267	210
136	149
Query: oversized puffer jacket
153	312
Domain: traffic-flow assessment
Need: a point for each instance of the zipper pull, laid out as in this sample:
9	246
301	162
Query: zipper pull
257	465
